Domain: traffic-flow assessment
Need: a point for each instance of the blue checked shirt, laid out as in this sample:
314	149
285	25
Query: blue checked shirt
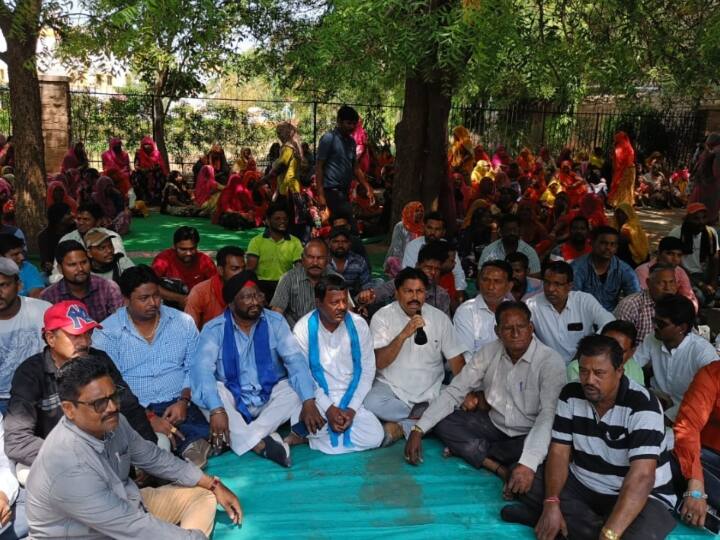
288	360
356	272
620	280
156	372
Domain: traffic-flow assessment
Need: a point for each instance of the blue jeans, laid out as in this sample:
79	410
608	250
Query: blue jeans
18	527
193	428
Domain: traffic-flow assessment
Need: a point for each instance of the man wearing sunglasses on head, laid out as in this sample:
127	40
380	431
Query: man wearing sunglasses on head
79	485
34	407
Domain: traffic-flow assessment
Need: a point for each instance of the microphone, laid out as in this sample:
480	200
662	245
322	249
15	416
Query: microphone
420	335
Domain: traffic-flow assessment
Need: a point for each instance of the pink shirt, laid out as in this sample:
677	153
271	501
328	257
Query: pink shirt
681	277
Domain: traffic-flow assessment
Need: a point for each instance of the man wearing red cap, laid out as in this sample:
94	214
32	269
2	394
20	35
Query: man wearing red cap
34	404
700	252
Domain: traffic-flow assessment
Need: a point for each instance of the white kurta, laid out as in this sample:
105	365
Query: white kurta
336	360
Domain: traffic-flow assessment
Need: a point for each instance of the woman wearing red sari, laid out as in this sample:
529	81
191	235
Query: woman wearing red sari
116	165
623	176
235	206
150	172
76	158
57	193
575	186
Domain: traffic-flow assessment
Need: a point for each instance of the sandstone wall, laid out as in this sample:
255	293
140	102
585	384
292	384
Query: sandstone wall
55	99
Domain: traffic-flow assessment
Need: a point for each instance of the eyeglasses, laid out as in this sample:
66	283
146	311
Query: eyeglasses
660	324
250	297
101	404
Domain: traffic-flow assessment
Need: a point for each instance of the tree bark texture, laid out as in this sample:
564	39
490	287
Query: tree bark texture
20	29
421	142
159	115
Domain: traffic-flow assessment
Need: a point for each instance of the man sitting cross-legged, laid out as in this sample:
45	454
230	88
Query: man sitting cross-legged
607	473
34	408
410	368
521	379
339	348
250	374
79	486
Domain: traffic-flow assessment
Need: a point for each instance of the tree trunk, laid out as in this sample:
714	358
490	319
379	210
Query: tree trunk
160	115
26	117
421	140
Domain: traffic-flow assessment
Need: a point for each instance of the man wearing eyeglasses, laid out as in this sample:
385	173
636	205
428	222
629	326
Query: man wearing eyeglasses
34	407
79	485
673	354
250	375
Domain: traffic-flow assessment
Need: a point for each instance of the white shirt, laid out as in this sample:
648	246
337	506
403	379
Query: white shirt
20	338
474	324
583	315
75	235
417	372
410	257
674	370
8	483
691	262
496	250
336	360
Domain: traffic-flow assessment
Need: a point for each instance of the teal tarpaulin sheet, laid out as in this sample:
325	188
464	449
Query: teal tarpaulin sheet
371	494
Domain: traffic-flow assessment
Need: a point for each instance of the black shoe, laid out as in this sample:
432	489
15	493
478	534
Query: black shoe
417	411
518	513
276	450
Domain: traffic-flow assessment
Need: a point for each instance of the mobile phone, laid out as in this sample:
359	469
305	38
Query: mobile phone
300	429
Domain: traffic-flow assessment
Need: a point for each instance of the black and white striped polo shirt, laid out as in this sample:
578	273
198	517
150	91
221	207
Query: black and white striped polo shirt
604	447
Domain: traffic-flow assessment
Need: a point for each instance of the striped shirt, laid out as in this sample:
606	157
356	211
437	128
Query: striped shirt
604	448
295	294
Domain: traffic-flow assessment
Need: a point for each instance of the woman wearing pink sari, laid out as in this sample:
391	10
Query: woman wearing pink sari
235	206
361	147
207	190
116	165
150	172
76	158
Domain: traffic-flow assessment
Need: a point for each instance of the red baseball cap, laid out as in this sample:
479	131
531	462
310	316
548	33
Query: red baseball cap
71	316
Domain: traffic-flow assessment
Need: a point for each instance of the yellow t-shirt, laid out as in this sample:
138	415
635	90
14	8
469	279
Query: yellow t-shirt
288	179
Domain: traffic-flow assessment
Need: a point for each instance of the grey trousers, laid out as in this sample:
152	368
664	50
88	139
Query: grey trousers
383	403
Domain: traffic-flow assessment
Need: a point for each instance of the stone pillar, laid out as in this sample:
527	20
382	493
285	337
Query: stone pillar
56	126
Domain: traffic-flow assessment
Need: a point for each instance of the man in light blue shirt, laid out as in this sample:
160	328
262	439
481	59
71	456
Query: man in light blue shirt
152	346
601	273
250	374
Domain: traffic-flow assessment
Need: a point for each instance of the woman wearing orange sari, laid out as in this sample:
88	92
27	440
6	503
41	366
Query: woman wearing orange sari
623	176
461	160
408	228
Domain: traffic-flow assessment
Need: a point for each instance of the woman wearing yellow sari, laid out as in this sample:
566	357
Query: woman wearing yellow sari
634	246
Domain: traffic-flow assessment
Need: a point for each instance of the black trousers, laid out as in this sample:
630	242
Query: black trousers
473	437
586	511
338	201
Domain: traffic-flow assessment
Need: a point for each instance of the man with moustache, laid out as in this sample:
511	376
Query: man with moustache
101	296
104	261
152	346
20	326
250	375
521	379
510	242
602	479
79	486
351	266
34	407
577	244
295	293
410	369
339	348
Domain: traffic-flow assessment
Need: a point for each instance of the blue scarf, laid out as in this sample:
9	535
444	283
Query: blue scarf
319	373
263	362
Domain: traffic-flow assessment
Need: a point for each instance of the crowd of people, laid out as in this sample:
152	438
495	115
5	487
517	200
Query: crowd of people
577	373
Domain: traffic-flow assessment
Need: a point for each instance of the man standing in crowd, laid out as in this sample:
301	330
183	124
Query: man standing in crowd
20	326
351	266
701	257
562	316
251	376
510	242
295	293
410	338
183	265
524	287
577	244
79	485
606	479
601	273
639	308
271	254
104	262
13	248
34	408
434	229
516	430
474	320
670	252
152	346
674	353
339	348
102	297
87	217
205	301
337	165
